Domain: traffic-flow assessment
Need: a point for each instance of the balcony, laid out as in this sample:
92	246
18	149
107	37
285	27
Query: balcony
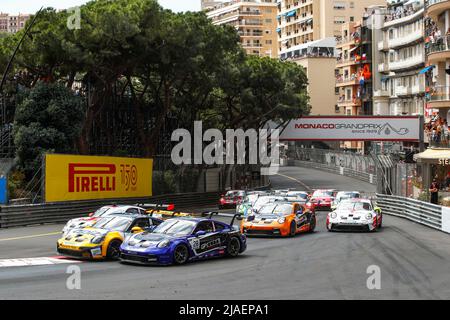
343	102
250	13
439	51
407	63
345	62
383	67
383	45
251	45
250	34
408	39
418	89
344	82
440	97
402	91
436	7
381	93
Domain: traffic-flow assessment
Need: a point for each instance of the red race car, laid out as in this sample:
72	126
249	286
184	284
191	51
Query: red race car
231	199
321	200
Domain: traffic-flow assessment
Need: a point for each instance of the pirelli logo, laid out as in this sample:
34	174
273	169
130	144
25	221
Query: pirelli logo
85	177
74	177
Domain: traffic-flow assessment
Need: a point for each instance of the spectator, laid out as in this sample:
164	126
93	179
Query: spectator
434	191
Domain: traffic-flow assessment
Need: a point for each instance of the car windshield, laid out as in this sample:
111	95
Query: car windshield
113	224
276	209
232	194
318	194
347	195
176	227
263	200
354	206
100	212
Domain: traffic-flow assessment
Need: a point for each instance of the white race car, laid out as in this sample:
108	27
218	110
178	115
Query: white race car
102	212
343	195
355	214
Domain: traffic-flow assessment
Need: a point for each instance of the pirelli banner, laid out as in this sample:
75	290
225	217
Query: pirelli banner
72	177
349	128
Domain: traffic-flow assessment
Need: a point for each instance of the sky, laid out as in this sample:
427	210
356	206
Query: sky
31	6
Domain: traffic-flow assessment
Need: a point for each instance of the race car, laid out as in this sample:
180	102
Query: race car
101	212
245	207
279	219
157	210
297	196
355	214
103	239
321	200
343	195
179	240
231	199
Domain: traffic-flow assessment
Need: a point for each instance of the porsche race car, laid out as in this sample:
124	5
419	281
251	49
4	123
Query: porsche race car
279	218
231	199
179	240
355	214
321	200
103	239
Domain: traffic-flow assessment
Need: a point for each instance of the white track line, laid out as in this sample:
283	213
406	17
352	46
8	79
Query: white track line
42	261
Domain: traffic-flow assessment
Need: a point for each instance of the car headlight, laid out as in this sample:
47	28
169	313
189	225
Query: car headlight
281	220
163	244
369	216
98	239
333	215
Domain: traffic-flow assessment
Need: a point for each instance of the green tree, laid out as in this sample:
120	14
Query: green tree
47	120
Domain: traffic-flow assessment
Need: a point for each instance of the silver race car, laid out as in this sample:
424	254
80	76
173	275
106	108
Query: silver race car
355	214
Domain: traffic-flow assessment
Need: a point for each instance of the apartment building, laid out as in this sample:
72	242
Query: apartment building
401	61
438	59
12	23
255	22
301	21
207	5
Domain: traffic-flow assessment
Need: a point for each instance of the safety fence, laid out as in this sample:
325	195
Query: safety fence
24	215
431	215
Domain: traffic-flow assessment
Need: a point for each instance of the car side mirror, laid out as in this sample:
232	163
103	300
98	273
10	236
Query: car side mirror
378	210
137	230
91	214
250	218
200	233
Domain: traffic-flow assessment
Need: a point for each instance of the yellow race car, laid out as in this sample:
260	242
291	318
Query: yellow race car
103	239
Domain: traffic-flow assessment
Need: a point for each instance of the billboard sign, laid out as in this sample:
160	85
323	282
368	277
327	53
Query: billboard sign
72	177
350	128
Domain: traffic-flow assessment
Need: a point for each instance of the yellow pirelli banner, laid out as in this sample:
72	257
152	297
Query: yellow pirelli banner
72	177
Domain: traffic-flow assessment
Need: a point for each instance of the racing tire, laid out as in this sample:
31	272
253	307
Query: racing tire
292	229
181	254
113	251
312	225
381	224
233	247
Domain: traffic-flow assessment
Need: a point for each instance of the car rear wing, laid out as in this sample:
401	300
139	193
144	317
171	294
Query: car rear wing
210	215
165	210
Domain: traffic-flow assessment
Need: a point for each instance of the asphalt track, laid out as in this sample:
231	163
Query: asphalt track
414	263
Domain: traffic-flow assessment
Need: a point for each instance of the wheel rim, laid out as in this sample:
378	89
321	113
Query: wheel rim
180	255
234	247
114	250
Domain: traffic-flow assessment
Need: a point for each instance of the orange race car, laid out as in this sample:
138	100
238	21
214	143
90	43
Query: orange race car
279	219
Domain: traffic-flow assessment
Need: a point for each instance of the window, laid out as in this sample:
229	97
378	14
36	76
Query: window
352	19
142	223
339	6
219	226
206	226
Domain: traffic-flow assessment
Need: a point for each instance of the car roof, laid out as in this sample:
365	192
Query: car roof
358	200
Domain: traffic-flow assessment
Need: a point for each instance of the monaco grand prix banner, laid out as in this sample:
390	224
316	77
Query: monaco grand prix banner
72	177
348	128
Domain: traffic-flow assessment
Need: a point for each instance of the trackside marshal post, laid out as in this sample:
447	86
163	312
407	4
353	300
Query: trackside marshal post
73	177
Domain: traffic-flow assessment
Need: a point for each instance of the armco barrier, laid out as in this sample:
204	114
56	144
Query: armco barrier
421	212
23	215
366	177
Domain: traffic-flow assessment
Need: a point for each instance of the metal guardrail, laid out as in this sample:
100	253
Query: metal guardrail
366	177
418	211
24	215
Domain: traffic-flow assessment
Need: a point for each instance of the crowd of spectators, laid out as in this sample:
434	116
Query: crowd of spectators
398	13
434	37
437	130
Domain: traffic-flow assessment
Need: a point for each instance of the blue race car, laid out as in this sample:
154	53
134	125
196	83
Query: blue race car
179	240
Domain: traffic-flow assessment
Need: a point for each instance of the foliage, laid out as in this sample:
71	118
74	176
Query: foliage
164	182
47	120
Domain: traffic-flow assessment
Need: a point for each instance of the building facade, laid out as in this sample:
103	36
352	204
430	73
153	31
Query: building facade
301	21
12	23
255	21
400	61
